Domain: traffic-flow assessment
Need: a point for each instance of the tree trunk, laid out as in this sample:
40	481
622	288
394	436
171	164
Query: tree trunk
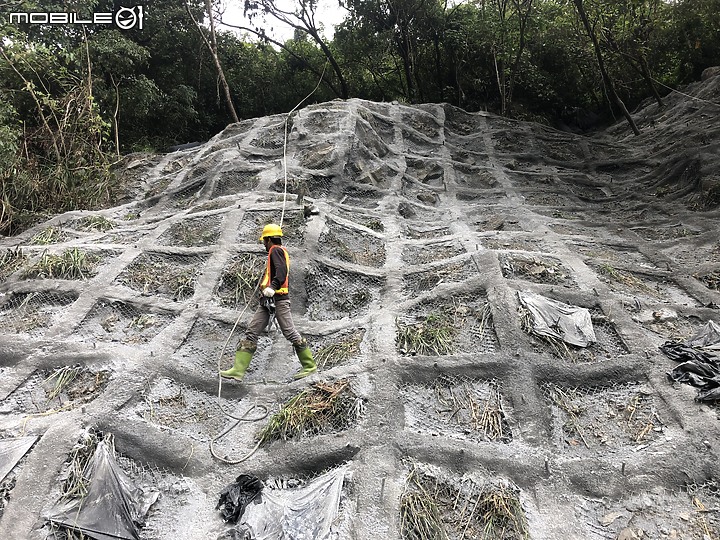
212	47
603	72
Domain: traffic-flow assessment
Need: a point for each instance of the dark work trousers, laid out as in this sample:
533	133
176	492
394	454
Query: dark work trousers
284	319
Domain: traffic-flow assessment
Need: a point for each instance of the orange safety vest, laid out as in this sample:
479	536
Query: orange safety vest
267	278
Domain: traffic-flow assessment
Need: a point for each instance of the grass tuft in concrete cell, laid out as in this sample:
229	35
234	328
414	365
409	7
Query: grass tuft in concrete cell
239	280
71	264
433	509
339	351
322	408
51	235
95	223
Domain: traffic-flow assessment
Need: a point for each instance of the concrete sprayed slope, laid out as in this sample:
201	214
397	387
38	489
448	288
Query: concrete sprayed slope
396	217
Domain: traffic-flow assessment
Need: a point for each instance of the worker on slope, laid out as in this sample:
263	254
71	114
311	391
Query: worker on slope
274	285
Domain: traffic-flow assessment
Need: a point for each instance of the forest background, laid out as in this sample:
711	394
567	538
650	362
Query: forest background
75	98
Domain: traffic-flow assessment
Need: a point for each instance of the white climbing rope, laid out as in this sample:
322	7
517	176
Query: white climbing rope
322	76
686	95
242	417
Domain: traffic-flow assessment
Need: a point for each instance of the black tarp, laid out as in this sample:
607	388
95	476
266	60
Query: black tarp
12	451
698	367
112	509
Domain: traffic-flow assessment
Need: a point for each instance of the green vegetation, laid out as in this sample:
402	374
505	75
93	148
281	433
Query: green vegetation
433	335
71	264
96	223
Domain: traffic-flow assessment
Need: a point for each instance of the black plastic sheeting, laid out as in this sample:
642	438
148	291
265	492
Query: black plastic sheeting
235	497
12	451
112	509
698	367
551	318
305	513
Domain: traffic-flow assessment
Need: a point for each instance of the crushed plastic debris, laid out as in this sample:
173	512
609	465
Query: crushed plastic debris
236	496
554	319
698	368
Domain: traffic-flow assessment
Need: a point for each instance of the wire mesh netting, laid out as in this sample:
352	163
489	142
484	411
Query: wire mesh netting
711	279
435	506
171	405
56	390
201	348
351	245
122	322
96	223
475	177
535	268
587	418
432	252
661	234
192	232
457	407
423	233
609	344
234	182
426	171
384	129
186	197
650	290
333	293
373	223
419	144
704	497
272	136
513	243
293	226
325	407
171	276
448	326
11	260
214	204
614	254
427	280
318	156
51	235
239	279
33	312
462	123
423	123
336	349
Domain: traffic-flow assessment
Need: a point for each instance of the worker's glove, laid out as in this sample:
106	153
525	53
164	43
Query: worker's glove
268	292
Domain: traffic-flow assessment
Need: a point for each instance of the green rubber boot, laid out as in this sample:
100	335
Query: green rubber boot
305	356
242	361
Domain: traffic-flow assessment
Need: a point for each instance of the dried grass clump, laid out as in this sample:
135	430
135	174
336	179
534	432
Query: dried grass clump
240	279
627	279
322	408
74	483
433	335
434	510
153	276
483	415
339	351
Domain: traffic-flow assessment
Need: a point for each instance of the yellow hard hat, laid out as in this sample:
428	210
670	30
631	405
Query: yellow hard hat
271	229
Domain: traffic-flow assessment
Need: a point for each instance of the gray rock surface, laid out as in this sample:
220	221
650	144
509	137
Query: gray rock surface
398	219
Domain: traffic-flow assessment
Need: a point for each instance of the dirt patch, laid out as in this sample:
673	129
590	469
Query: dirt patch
33	312
171	276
